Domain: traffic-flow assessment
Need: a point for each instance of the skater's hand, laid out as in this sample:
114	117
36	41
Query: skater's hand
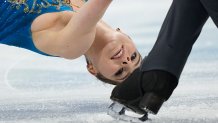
145	91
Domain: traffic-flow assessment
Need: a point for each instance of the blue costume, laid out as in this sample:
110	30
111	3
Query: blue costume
16	17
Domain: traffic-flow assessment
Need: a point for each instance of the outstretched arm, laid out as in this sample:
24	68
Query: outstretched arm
78	35
80	31
86	18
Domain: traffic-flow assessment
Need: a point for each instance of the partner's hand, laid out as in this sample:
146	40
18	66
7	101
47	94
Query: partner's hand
145	91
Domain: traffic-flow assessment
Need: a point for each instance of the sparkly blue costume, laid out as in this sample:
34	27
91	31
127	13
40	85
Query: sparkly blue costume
16	17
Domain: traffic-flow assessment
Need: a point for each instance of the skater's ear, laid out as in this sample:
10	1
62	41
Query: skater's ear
91	69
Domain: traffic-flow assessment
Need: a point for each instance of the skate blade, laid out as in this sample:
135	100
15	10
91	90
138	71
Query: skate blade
117	111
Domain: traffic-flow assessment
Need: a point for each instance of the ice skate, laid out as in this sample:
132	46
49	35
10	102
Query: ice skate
120	112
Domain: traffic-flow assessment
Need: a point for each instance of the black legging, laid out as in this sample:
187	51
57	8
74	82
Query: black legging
179	32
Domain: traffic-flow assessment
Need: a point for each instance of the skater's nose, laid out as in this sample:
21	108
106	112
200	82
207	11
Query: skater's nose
126	60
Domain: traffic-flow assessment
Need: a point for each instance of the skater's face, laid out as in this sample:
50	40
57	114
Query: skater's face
117	60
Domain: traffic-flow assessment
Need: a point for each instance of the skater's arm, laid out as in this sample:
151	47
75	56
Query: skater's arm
78	35
80	31
85	20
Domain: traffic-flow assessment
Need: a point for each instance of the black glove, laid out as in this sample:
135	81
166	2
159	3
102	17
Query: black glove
145	91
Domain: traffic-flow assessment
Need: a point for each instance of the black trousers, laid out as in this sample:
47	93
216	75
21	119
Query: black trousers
180	30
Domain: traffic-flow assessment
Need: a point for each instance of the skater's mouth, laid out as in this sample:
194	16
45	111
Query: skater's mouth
118	54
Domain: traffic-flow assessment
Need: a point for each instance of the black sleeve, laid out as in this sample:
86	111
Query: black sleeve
180	30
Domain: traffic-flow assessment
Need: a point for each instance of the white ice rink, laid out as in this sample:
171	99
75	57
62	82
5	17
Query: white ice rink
39	89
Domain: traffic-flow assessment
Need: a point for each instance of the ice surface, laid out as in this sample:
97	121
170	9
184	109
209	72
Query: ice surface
38	89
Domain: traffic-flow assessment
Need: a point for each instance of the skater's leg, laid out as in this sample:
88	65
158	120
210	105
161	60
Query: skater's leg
212	8
179	31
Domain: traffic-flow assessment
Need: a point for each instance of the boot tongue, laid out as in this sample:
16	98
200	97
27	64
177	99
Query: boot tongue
159	82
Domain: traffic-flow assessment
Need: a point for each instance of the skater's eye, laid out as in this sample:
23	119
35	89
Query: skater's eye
119	72
124	72
133	57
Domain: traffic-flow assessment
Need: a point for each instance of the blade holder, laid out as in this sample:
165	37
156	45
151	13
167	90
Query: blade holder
151	103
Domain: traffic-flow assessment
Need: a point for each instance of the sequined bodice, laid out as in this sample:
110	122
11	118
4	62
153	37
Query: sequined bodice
16	17
36	6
